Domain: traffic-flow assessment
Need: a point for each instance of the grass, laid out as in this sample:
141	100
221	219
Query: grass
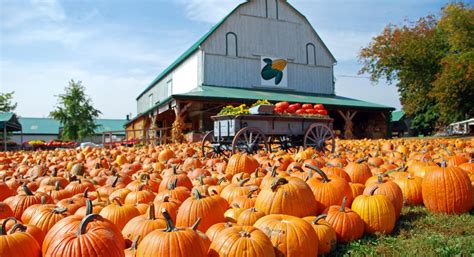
418	233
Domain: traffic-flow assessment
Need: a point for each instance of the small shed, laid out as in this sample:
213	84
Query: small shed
400	124
8	123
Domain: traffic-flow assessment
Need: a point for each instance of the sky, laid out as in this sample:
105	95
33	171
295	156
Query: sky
117	47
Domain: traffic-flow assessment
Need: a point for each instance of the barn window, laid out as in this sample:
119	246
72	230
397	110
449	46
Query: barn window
231	47
169	88
310	54
150	101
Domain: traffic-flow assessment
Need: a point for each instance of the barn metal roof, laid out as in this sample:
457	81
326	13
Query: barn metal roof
10	120
397	116
48	126
226	93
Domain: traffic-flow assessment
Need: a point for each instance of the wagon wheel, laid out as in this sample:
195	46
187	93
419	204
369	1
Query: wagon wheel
284	143
249	140
211	148
320	137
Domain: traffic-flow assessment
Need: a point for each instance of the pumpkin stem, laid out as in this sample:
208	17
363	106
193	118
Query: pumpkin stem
26	189
4	225
196	224
57	186
373	190
244	233
54	173
319	171
117	200
99	197
274	171
89	207
43	199
16	227
443	164
380	178
343	205
175	170
134	245
298	168
59	210
172	185
219	182
197	194
85	221
320	217
243	181
250	193
169	222
86	193
166	198
114	182
151	212
361	160
278	182
201	179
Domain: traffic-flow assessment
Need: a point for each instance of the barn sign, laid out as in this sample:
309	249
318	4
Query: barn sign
274	72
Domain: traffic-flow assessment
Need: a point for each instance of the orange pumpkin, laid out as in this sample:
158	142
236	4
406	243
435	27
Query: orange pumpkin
346	223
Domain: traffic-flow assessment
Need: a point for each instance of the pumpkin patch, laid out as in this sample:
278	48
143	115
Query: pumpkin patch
173	201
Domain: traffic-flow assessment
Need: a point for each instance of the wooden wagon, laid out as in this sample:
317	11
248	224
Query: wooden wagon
255	132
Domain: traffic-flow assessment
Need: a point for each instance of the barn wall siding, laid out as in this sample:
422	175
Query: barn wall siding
257	36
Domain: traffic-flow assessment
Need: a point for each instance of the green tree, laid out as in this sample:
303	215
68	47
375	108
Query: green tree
431	63
6	102
75	112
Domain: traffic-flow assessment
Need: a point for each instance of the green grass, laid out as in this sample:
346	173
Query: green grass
418	233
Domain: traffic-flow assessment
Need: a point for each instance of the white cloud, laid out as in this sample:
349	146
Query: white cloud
210	11
16	13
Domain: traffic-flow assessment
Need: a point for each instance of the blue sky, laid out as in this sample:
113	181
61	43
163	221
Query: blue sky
116	47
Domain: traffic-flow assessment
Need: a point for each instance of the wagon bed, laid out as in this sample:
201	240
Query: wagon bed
254	132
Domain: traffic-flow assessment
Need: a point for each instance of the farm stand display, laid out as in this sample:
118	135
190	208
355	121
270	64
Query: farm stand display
175	200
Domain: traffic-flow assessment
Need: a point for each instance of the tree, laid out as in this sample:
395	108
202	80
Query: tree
6	102
431	63
75	112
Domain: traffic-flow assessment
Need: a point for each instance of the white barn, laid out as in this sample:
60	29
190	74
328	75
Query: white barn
226	67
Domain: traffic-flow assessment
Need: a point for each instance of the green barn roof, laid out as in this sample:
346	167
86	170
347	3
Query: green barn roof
397	115
226	93
9	120
48	126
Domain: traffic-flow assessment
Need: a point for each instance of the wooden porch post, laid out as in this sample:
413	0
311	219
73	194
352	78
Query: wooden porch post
178	124
348	125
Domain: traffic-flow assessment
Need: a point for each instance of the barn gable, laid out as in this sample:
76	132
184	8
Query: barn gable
253	29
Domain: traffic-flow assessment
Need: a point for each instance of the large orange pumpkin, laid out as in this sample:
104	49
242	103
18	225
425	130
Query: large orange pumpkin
411	188
120	214
241	241
390	189
241	162
290	236
19	203
326	235
290	195
172	242
93	241
447	190
18	244
328	190
347	223
358	171
142	225
208	208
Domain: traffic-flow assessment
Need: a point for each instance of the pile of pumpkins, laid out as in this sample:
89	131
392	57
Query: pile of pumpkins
171	201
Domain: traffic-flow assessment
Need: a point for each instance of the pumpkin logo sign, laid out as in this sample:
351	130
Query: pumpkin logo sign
273	72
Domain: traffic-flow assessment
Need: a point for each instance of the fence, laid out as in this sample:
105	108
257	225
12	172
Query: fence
157	136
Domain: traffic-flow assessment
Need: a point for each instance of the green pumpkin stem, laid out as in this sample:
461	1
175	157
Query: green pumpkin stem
197	194
27	190
319	171
4	225
151	212
172	185
57	186
83	225
196	224
134	245
343	205
373	190
318	218
43	199
89	207
169	221
278	182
